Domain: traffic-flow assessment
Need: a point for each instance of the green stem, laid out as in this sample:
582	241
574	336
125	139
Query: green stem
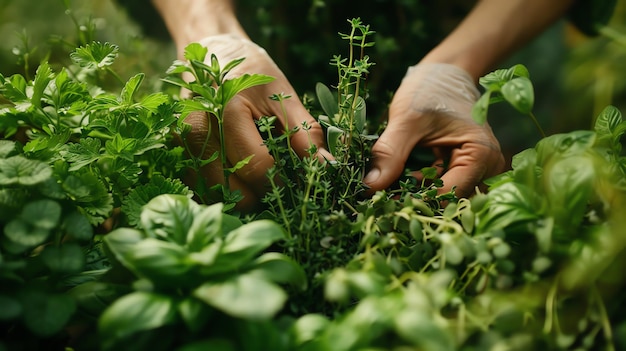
536	122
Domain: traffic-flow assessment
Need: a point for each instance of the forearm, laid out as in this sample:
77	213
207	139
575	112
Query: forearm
493	30
189	21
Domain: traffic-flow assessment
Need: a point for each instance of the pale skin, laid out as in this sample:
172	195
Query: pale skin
470	152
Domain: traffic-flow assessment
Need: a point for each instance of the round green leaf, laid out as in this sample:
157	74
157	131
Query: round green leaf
78	226
138	311
66	259
20	170
520	94
9	308
44	214
24	234
44	314
161	262
244	296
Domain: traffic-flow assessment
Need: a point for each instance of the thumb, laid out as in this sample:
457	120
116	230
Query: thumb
389	155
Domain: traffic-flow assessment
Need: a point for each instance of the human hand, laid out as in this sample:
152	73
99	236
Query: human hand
432	108
242	138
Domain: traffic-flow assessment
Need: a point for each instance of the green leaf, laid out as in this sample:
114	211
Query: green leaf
83	153
206	226
195	313
44	213
169	217
135	312
360	115
480	108
279	268
239	165
244	296
327	100
130	88
24	234
161	262
7	147
195	51
133	203
252	238
333	138
10	308
20	170
520	94
234	86
609	125
510	203
46	314
122	242
77	226
95	55
422	331
64	259
153	101
42	78
212	344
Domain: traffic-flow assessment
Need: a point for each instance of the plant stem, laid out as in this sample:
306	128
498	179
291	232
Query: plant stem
536	122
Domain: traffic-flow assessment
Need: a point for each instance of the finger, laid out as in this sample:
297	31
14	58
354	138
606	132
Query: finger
242	140
389	155
212	173
469	166
301	140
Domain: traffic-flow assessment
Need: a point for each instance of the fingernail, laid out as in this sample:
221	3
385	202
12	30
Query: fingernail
372	176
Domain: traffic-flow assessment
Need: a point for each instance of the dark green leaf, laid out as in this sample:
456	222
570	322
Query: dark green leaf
212	344
10	308
42	78
78	226
520	94
243	296
83	153
46	314
133	204
195	313
135	312
64	259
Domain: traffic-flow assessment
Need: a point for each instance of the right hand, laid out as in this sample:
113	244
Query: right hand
242	138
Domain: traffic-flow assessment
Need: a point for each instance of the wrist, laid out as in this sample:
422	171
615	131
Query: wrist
189	21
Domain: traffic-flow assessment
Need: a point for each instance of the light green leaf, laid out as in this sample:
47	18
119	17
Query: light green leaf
135	312
7	147
212	344
480	108
360	115
20	170
239	165
130	88
161	262
195	51
95	55
44	213
153	101
83	153
244	296
24	234
333	138
42	78
279	268
169	217
122	242
327	100
252	238
520	94
609	125
206	226
234	86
